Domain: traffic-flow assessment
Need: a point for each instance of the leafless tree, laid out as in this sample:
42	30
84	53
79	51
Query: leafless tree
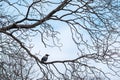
94	26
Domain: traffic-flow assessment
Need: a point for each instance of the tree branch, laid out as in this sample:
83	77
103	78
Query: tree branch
15	25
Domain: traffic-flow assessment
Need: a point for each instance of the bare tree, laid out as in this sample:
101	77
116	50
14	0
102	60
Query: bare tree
94	25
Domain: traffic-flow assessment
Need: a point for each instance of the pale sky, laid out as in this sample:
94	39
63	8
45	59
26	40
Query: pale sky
67	51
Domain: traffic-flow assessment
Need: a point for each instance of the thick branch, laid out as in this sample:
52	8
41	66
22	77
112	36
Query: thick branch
21	44
14	26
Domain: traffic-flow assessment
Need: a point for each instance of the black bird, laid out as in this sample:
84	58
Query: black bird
44	58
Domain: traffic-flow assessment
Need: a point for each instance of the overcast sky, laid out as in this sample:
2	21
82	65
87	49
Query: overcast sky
67	51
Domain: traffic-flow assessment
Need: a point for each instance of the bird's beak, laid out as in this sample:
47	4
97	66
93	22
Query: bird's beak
47	54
